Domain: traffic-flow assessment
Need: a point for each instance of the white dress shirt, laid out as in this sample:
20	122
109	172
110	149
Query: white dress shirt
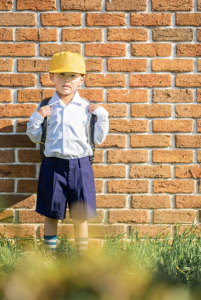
67	130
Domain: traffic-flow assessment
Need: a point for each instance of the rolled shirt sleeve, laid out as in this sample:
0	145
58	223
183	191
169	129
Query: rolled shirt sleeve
101	126
34	128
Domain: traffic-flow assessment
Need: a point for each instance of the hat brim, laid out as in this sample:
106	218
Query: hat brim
67	70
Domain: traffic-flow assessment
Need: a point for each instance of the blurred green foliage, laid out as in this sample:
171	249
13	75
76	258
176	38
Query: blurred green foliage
140	268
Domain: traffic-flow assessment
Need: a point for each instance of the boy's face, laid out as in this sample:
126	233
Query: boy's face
72	79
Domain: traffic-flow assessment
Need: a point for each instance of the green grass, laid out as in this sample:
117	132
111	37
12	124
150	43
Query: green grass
137	267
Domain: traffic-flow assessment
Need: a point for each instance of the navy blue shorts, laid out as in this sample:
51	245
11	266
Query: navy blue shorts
63	181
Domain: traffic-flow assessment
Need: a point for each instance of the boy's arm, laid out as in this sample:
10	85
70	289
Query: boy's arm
34	128
101	125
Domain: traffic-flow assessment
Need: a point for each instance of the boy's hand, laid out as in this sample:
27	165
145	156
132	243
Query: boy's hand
44	111
92	107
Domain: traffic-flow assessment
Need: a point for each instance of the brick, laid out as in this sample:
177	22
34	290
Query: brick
151	49
99	186
150	19
7	156
61	19
105	80
110	201
198	5
188	171
181	229
128	186
17	80
98	156
50	48
175	65
45	80
105	19
62	230
116	111
81	5
15	140
82	35
35	34
17	171
118	141
6	34
187	201
17	110
6	95
6	125
198	95
27	186
142	171
198	125
151	110
109	171
173	216
149	80
93	65
36	5
165	5
127	156
104	230
174	186
188	111
198	155
17	201
151	230
150	201
7	216
128	125
30	216
198	35
127	34
186	19
6	65
97	219
172	96
188	141
6	5
126	65
173	156
17	231
173	34
188	49
18	49
92	94
172	125
30	95
199	65
21	125
191	80
128	216
130	96
18	19
105	49
6	186
126	5
151	140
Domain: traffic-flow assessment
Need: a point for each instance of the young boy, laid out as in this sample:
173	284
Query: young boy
66	174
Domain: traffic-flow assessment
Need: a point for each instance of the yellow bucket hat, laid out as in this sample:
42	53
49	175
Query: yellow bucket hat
67	62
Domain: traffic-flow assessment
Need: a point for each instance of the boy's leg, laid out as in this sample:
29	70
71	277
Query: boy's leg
50	234
81	236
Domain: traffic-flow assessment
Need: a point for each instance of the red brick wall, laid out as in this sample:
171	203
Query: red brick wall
142	60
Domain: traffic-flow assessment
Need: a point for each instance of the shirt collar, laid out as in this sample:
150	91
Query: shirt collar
55	99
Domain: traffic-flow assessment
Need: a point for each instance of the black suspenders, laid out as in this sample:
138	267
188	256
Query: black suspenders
93	119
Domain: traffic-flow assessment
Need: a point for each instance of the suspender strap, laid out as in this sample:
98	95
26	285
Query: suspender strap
92	127
44	129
